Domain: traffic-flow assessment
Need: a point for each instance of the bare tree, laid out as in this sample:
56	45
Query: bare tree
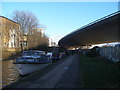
27	20
29	24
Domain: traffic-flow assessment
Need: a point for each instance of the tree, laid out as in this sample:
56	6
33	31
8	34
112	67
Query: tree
29	25
27	20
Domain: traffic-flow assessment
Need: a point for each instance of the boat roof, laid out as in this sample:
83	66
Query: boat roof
30	56
33	51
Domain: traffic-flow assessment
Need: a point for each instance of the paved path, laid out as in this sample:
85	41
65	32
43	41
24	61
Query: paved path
71	77
64	75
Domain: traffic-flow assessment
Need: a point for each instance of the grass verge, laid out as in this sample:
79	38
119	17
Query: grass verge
99	73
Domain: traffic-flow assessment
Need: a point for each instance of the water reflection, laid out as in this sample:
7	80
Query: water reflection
10	72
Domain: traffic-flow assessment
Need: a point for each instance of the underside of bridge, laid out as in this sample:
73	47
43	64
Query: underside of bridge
104	30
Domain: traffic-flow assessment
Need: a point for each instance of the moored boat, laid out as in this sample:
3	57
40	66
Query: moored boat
32	60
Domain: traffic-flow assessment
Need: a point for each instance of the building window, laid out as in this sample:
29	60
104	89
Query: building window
5	44
14	35
12	45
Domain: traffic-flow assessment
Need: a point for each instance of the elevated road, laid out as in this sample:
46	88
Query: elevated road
104	30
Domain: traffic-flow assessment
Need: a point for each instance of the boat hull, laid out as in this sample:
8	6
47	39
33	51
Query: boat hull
25	69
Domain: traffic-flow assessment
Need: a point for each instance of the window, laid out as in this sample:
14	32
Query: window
14	35
12	45
5	43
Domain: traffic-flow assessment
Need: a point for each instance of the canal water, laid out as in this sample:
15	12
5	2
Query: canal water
10	72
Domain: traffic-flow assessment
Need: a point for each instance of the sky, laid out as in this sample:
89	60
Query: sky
61	18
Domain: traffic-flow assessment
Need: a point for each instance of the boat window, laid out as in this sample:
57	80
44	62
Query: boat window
32	53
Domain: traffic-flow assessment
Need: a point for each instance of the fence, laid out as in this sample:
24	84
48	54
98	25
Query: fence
111	52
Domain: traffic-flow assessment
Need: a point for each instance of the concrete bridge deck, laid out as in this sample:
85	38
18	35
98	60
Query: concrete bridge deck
103	30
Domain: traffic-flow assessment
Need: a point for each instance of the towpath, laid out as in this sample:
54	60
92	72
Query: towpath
63	74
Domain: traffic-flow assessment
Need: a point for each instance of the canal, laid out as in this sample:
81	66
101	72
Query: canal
10	72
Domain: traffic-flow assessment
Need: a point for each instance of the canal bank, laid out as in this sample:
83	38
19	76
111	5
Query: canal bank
10	73
73	72
9	55
52	76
